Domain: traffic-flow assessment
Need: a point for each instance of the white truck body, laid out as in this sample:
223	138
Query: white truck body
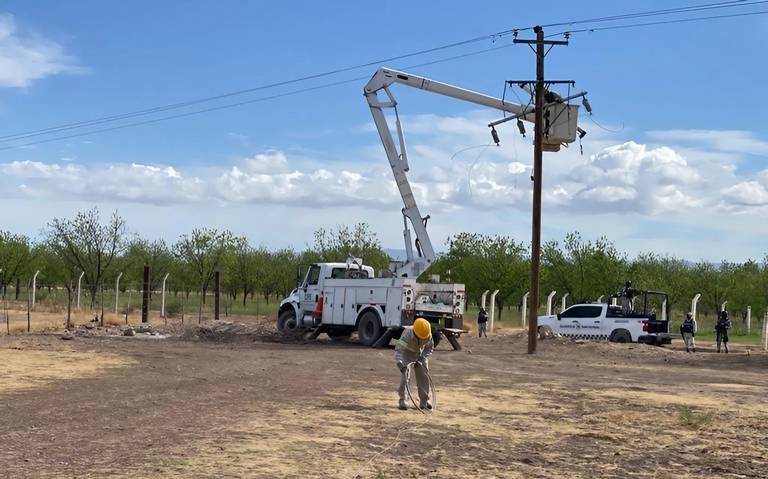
600	321
331	301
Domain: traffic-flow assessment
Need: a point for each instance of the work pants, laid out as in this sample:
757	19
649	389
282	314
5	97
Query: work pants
482	329
422	381
690	343
722	338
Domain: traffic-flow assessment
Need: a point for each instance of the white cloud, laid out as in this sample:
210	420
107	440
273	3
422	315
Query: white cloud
737	141
453	169
25	58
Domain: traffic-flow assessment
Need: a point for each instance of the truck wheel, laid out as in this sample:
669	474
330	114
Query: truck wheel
622	336
286	322
369	328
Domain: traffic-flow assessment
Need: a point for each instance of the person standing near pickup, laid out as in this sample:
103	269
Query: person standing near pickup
721	330
688	332
482	323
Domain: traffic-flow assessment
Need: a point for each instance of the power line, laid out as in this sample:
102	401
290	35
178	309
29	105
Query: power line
661	22
666	11
246	102
172	106
493	37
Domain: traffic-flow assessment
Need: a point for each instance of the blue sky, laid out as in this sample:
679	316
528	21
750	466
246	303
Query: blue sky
684	95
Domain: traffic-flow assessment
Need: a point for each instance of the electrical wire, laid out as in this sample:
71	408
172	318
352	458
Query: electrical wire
409	367
172	106
241	103
661	22
492	37
604	128
666	11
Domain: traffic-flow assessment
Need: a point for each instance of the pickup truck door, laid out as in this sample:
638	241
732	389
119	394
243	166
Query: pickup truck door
583	321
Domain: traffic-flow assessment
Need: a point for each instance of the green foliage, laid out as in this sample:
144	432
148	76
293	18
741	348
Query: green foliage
357	241
202	253
15	258
483	263
141	252
692	419
584	269
84	243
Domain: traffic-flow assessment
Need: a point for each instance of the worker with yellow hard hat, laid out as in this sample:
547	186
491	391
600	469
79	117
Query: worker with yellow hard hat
414	347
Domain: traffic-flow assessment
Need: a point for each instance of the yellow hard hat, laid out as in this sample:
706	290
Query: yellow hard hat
422	329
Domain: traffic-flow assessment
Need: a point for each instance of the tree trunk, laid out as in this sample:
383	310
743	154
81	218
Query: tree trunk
245	296
17	289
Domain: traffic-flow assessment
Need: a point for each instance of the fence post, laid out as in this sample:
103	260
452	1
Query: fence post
600	299
482	298
562	306
764	335
694	303
34	286
493	307
549	302
162	297
749	319
117	289
524	311
79	281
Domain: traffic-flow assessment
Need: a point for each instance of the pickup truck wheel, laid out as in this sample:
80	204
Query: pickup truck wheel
369	328
286	322
622	336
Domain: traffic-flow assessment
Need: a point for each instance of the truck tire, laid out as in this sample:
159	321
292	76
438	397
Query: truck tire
621	336
369	328
286	322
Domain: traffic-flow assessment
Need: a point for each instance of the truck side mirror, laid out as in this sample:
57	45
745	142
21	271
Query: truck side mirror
559	317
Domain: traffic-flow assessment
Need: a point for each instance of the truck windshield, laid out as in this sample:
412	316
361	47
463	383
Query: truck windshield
313	275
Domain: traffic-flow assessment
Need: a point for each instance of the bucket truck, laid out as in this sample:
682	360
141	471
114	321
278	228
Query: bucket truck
341	298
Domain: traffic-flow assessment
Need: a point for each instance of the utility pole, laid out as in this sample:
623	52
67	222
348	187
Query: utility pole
145	296
538	149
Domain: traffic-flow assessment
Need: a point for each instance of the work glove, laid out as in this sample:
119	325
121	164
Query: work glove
422	361
401	366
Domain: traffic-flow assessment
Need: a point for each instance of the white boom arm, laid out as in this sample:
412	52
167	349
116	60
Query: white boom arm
398	159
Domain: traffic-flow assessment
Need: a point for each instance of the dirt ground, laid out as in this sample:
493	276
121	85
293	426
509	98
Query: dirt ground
140	406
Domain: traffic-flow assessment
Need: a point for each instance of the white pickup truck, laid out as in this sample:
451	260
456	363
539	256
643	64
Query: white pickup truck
600	321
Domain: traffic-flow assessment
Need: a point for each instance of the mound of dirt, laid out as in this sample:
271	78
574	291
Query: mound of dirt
228	332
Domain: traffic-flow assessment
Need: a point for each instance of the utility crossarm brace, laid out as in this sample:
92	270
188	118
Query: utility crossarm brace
398	158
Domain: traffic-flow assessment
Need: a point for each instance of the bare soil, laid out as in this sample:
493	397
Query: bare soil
229	401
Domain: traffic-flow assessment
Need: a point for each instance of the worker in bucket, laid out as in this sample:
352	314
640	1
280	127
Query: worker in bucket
688	332
721	330
482	323
414	347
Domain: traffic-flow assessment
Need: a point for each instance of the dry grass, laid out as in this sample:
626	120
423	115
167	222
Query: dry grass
25	369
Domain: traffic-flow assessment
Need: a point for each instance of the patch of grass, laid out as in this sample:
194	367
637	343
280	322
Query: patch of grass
692	419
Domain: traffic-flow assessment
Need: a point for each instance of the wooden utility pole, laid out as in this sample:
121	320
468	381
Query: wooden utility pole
538	149
216	294
145	296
